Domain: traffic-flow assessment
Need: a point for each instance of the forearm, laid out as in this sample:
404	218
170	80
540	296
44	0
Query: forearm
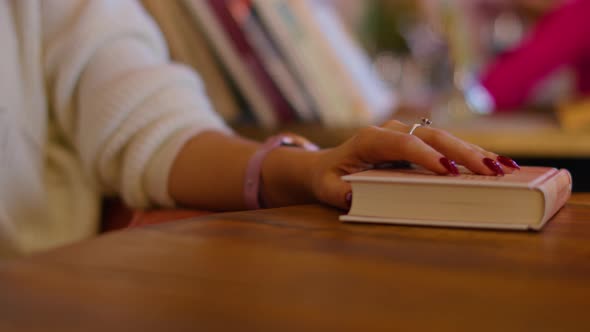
209	172
287	176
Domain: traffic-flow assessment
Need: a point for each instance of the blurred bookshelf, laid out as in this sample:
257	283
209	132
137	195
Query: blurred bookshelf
324	68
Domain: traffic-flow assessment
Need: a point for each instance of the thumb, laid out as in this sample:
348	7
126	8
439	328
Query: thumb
336	192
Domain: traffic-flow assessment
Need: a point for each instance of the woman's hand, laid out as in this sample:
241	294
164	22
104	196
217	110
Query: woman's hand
209	170
432	148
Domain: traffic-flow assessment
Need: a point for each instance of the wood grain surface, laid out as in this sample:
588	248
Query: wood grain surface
300	269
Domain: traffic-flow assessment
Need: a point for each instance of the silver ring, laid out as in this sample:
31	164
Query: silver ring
424	122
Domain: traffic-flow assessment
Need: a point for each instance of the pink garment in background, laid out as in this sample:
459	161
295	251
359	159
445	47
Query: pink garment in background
561	38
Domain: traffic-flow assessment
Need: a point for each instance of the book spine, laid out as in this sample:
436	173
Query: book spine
288	29
556	191
253	63
352	67
259	105
244	12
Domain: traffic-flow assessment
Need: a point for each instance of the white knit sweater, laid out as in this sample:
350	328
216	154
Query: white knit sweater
89	105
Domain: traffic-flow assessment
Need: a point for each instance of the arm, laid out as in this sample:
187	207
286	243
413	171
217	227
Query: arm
117	99
209	170
209	173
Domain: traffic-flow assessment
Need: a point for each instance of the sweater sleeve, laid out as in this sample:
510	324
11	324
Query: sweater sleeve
117	98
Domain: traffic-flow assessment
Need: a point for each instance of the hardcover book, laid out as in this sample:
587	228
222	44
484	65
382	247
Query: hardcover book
525	199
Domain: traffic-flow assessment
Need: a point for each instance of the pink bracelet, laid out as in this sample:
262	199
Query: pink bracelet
252	195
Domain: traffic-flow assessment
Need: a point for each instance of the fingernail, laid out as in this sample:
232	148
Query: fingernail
494	166
348	199
508	162
449	165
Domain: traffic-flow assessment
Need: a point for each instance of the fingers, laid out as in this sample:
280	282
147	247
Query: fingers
471	156
477	160
452	147
508	165
374	145
431	148
338	193
377	145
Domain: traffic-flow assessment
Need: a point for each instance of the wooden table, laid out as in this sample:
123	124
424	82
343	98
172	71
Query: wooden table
299	269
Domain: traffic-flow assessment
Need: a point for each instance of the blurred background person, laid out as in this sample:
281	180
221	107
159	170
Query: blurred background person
499	54
558	40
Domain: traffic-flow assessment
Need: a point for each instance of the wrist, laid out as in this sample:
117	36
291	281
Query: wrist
287	176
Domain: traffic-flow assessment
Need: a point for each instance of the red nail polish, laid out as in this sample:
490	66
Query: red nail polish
449	165
494	166
348	199
508	162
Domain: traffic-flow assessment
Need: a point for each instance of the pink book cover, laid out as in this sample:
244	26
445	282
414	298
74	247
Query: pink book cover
528	176
555	186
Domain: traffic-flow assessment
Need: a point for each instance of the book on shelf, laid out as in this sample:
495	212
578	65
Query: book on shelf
525	199
244	75
373	100
188	45
287	80
253	62
335	70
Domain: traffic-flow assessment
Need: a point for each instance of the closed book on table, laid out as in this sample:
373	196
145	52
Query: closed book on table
525	199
